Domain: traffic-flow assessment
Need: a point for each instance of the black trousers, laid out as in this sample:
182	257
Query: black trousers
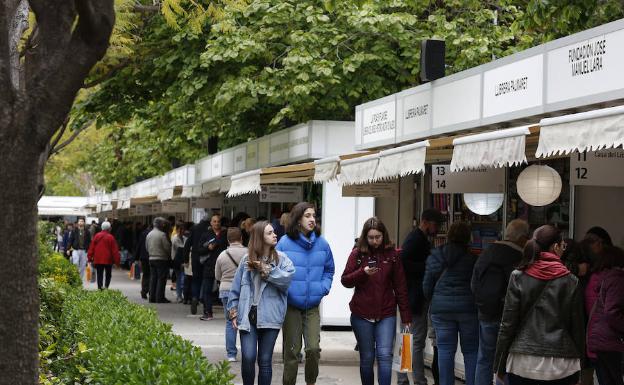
158	280
517	380
609	368
188	282
100	269
145	278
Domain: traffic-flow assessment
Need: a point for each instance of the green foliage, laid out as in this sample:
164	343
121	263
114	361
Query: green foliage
121	343
242	69
58	268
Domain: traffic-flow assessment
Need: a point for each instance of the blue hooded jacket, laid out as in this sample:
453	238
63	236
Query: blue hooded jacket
314	269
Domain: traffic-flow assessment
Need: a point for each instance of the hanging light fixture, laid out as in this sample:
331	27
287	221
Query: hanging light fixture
539	185
483	203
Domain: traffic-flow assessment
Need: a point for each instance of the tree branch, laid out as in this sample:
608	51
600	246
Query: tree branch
57	72
113	70
138	7
56	148
59	135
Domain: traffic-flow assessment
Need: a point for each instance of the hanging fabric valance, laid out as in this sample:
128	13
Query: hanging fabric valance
326	170
359	170
245	183
490	149
402	161
585	131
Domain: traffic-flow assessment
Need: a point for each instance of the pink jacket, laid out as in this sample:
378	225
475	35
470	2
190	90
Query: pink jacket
591	295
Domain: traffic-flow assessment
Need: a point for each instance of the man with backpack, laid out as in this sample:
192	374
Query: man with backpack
489	286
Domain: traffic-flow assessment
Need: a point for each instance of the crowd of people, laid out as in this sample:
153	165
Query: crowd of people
531	308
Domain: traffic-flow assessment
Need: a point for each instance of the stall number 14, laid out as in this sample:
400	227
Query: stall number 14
581	172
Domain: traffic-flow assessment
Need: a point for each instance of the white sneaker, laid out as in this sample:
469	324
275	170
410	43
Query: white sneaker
231	359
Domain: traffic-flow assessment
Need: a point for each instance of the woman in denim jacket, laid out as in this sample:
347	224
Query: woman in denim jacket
257	301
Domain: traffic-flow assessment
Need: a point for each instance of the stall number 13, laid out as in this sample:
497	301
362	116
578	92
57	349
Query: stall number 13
581	172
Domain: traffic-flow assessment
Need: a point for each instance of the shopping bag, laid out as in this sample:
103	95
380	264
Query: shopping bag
402	361
137	270
131	273
88	272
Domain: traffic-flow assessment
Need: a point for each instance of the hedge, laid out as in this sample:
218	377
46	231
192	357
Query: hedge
99	337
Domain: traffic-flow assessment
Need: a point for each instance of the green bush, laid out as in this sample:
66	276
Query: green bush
57	267
116	342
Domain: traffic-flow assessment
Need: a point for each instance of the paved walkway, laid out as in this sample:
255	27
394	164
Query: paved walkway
339	362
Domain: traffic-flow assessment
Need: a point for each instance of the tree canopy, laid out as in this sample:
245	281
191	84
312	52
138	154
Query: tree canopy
238	69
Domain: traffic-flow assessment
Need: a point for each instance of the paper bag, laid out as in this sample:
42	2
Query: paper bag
402	361
88	272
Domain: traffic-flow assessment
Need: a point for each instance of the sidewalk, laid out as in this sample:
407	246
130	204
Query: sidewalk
339	362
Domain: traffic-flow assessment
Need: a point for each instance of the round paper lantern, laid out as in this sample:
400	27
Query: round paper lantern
483	203
539	185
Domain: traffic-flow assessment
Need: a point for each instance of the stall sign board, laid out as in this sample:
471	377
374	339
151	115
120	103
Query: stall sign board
143	210
207	203
279	147
217	165
457	102
600	168
513	87
174	207
156	208
379	123
298	142
251	161
416	113
281	193
589	67
484	180
376	190
240	157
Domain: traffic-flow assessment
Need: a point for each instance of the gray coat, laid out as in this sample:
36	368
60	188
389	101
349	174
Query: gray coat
158	245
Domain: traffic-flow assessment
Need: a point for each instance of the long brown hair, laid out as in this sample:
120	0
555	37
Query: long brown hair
256	245
373	223
544	237
292	227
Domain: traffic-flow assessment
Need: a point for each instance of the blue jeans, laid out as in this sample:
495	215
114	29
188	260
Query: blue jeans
257	344
230	333
179	283
488	334
375	340
446	326
198	273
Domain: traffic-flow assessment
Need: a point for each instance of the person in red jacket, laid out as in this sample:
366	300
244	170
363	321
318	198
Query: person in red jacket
103	253
375	270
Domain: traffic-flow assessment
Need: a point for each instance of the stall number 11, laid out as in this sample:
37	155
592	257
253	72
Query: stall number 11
581	172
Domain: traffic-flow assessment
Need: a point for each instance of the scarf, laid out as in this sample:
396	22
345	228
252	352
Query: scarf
547	267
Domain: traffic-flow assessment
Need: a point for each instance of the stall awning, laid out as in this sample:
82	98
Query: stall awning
402	161
490	149
294	173
124	204
194	191
326	170
585	131
211	187
359	170
245	183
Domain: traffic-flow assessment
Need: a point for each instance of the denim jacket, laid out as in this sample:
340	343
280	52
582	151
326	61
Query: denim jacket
273	298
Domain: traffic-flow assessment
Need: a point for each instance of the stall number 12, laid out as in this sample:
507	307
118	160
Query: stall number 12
581	172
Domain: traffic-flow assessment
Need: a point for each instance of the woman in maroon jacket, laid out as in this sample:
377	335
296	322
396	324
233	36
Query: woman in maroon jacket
605	330
103	253
374	269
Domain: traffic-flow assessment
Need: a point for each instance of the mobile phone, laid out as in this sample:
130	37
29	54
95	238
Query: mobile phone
372	263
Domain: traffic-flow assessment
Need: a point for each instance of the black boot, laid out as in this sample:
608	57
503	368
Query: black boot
194	303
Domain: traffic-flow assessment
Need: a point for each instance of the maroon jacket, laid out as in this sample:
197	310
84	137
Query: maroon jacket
376	296
606	325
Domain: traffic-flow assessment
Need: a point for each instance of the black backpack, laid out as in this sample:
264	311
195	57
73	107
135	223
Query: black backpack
489	289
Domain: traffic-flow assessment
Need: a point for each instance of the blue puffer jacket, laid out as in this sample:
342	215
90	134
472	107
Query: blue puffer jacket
449	290
314	264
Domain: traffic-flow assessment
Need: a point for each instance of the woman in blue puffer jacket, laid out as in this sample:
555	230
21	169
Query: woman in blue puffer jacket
314	264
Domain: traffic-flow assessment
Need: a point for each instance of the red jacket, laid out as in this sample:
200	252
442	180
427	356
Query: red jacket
103	249
376	296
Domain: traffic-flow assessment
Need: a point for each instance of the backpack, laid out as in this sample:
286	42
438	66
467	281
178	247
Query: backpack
489	289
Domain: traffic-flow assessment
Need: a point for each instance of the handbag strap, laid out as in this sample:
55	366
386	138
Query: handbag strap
231	259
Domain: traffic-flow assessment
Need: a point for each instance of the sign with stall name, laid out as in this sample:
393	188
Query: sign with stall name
174	207
416	113
513	87
485	180
379	123
600	168
281	193
376	190
585	68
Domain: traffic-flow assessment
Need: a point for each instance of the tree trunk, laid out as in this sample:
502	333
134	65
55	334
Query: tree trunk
19	176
